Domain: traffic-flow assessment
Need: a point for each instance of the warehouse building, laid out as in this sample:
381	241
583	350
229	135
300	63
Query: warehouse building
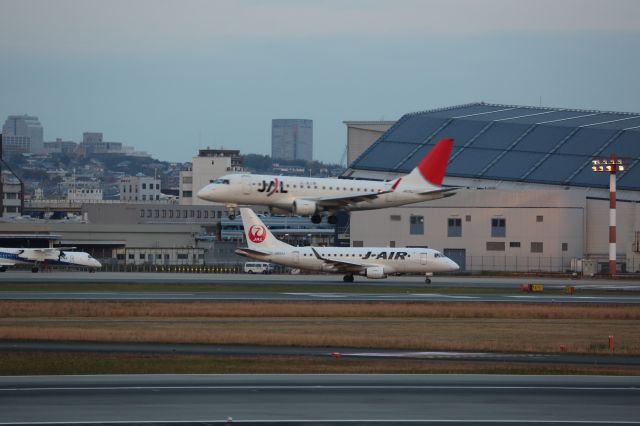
529	199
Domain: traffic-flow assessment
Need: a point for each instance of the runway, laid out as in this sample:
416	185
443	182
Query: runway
335	297
434	399
167	287
63	277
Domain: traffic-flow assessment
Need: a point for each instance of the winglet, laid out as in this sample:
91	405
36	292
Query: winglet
434	164
316	253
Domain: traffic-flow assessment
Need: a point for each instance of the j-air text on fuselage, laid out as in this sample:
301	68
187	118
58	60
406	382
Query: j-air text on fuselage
46	256
371	262
315	196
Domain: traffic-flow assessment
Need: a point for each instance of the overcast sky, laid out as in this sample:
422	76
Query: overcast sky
170	77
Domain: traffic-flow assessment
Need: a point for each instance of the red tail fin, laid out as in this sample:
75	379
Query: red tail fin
434	164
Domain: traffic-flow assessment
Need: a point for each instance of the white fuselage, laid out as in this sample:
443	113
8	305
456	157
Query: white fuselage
10	256
281	191
393	260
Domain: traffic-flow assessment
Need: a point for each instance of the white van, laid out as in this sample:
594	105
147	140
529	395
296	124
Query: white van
258	268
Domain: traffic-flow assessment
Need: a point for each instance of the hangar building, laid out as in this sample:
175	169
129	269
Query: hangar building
529	199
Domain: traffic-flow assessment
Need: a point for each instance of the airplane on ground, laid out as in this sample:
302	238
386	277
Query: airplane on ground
313	196
372	262
51	256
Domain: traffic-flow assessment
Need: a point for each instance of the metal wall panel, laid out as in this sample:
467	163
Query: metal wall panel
471	161
513	165
557	168
542	139
500	136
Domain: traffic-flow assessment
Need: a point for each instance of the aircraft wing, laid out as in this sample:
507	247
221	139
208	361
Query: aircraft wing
47	251
343	201
340	265
245	251
440	191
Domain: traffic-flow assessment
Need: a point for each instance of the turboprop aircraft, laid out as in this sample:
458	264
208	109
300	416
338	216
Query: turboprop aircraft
313	196
372	262
51	256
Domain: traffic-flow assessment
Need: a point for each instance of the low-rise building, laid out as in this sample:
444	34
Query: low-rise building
139	188
209	165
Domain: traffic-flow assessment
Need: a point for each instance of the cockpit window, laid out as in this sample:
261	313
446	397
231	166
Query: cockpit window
438	254
222	181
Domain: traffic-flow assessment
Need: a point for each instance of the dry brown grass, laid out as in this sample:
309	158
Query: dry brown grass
414	326
503	335
206	309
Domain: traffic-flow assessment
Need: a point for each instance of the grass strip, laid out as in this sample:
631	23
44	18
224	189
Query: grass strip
306	309
71	363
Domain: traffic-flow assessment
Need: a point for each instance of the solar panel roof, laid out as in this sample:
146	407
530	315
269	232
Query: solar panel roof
515	143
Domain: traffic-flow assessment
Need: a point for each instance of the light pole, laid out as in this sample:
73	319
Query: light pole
610	165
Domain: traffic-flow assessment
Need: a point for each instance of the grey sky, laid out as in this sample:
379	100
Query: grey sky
172	76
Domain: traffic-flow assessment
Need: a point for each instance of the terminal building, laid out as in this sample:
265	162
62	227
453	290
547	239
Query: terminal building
529	200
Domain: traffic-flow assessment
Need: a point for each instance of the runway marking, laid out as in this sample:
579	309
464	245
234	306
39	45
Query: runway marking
442	295
446	355
324	295
380	296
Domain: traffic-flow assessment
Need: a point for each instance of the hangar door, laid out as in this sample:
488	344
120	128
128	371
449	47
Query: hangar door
459	256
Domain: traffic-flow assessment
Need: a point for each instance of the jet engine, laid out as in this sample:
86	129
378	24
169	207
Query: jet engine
375	272
304	207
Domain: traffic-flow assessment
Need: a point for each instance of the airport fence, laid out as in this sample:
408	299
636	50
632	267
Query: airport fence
226	268
545	264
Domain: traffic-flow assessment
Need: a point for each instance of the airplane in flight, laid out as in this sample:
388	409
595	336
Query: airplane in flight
372	262
50	256
312	196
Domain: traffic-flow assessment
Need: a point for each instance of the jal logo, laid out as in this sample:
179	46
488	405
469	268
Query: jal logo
257	233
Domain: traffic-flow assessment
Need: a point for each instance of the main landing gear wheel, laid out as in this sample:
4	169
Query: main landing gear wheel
232	216
427	280
35	269
316	218
333	219
347	278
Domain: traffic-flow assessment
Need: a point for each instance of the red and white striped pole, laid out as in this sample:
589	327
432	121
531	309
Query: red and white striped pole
612	217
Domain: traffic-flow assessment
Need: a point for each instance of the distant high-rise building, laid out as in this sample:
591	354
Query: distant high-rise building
22	133
292	139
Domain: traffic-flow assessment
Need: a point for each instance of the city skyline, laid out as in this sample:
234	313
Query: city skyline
173	77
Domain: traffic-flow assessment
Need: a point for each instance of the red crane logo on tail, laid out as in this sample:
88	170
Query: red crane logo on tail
257	233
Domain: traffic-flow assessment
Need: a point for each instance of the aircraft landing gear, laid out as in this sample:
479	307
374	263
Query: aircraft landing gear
332	219
35	269
3	269
348	278
427	280
316	218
